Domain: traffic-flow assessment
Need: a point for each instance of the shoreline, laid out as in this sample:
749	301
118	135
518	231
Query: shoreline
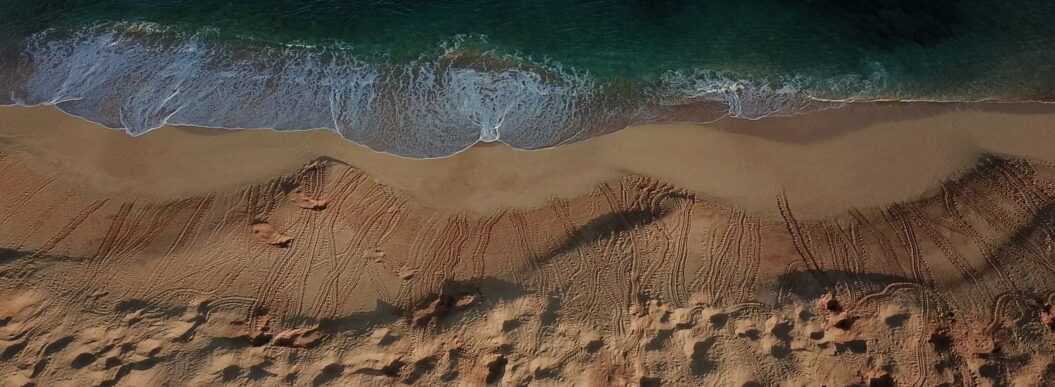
825	162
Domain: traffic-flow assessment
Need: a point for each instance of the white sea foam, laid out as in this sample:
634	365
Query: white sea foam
139	77
755	98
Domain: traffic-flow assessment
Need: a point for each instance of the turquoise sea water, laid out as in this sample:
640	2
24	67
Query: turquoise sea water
430	78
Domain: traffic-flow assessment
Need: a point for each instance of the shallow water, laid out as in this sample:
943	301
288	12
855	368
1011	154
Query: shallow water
427	78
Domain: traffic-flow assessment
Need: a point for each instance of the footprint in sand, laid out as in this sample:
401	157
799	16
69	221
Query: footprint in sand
268	234
302	200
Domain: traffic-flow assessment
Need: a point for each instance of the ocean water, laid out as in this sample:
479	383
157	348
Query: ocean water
424	78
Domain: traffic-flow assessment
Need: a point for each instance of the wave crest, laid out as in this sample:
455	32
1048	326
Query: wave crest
139	77
753	98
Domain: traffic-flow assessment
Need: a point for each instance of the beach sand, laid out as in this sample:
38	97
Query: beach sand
878	243
860	156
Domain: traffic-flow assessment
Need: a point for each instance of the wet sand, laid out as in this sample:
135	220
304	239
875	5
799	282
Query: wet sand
861	156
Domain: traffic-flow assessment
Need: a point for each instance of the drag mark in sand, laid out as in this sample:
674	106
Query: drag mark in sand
636	282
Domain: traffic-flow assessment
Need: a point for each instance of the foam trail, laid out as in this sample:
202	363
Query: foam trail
759	98
141	81
139	77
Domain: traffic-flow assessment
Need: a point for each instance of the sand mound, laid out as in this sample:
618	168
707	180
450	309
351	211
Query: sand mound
325	277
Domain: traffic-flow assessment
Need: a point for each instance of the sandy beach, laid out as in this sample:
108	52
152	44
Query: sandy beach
825	248
860	156
616	193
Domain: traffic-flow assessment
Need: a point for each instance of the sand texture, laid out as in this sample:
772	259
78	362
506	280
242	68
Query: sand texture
316	271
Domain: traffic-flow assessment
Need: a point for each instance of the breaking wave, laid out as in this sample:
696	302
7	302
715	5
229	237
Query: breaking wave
139	77
755	99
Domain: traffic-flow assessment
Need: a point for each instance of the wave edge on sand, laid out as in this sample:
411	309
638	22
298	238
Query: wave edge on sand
141	76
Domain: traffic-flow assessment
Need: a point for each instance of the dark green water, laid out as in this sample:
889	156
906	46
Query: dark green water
428	78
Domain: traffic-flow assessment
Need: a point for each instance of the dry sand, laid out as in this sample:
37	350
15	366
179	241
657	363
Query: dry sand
877	244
